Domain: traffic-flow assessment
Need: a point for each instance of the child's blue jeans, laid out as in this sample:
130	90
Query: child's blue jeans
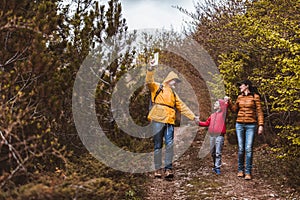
216	146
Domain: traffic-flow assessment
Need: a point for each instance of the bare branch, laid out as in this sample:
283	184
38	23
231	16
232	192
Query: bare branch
13	151
13	173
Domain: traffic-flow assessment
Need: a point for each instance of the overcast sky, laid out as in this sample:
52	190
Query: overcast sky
141	14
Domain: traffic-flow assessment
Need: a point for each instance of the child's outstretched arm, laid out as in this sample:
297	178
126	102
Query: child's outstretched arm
206	123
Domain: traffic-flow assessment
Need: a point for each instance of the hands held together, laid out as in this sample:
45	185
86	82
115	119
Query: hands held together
226	99
197	120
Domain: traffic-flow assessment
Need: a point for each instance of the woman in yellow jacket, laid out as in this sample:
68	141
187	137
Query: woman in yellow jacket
162	116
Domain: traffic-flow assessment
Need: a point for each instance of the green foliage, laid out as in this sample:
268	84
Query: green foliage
131	195
26	131
43	45
217	87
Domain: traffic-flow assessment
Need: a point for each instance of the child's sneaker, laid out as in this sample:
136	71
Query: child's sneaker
169	173
217	171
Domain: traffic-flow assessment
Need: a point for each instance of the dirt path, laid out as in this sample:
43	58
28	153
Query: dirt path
194	179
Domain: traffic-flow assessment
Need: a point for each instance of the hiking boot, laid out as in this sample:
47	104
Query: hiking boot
169	173
248	177
240	174
157	173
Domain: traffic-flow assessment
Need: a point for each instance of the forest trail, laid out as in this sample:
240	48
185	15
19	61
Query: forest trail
194	179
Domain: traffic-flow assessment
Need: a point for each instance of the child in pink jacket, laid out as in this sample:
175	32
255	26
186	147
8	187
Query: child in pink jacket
217	129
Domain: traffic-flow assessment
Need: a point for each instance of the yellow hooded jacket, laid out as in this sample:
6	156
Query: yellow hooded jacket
162	110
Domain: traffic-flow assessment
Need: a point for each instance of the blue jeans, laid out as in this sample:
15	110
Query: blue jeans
216	145
245	135
161	130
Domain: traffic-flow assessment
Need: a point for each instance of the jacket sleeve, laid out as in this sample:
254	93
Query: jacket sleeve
234	106
183	109
206	123
259	112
